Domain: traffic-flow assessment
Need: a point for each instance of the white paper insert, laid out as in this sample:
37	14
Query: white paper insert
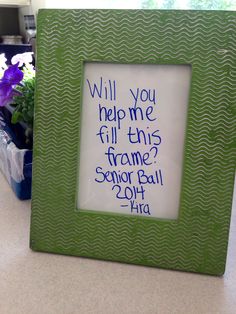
132	138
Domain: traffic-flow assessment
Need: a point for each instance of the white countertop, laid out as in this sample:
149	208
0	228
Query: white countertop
41	283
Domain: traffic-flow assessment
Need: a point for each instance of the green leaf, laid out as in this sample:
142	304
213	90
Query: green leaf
16	117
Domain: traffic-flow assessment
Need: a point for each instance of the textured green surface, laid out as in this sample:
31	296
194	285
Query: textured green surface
207	40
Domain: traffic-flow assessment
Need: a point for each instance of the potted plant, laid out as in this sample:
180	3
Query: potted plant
17	84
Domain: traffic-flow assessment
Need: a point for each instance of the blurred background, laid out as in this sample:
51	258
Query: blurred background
17	17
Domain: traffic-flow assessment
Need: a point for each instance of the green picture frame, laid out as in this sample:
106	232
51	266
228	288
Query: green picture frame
197	241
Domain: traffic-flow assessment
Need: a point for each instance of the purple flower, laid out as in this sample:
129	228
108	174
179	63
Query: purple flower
12	76
6	94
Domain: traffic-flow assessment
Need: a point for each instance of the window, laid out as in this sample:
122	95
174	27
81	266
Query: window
144	4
